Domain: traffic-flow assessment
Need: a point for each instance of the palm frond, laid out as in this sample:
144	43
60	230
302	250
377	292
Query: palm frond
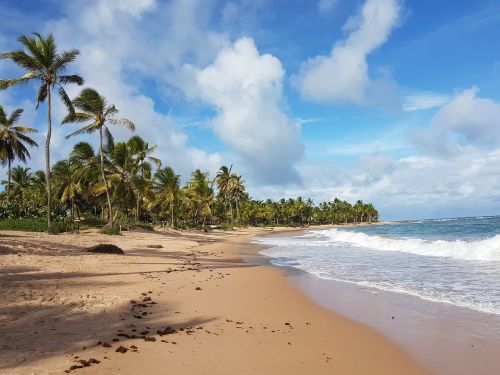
65	58
74	78
24	129
22	59
42	95
77	117
31	45
3	116
14	117
123	122
85	130
66	100
7	83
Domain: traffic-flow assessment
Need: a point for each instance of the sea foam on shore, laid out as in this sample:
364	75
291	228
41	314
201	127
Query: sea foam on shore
455	261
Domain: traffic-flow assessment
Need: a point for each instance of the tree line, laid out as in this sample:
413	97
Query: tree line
123	182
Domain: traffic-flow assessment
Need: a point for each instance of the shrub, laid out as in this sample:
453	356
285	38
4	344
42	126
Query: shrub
32	225
144	226
93	221
225	226
110	231
32	204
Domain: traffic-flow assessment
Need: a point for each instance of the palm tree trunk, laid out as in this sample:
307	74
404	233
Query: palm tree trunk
104	178
237	212
172	214
47	160
231	210
8	179
137	203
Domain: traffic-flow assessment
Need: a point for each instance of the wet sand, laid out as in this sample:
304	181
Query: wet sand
446	339
180	302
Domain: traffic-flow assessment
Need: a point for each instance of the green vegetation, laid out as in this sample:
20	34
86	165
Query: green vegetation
111	231
46	66
121	184
31	225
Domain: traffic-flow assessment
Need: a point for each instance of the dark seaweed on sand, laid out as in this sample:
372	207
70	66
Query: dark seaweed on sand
105	249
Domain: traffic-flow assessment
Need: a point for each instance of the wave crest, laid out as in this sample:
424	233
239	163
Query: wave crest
485	249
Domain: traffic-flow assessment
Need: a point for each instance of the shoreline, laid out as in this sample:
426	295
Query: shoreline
229	316
443	337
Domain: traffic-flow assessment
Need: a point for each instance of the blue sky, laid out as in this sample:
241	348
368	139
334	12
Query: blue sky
394	102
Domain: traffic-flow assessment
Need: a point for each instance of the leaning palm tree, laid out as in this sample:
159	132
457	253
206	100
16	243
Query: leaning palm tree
94	108
44	64
12	139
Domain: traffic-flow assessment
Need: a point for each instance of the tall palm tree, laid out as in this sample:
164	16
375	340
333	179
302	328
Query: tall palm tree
237	192
166	188
223	183
44	64
12	137
95	108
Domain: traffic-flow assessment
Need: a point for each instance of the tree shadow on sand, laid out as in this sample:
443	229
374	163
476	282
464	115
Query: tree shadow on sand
37	323
31	334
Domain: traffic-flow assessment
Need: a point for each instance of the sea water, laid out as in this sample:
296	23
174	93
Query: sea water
453	261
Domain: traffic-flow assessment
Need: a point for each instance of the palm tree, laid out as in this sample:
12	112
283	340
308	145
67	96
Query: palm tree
142	154
200	191
223	183
19	178
12	137
43	63
66	183
94	108
39	180
237	192
166	188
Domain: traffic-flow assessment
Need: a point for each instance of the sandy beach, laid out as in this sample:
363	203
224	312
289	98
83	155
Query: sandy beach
182	302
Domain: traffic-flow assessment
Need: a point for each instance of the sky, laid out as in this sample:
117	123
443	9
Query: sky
395	102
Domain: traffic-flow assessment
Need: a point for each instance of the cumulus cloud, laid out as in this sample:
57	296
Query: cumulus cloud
466	122
404	188
119	50
246	89
343	74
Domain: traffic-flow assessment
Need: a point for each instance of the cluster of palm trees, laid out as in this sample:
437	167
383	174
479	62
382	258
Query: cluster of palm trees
298	211
123	182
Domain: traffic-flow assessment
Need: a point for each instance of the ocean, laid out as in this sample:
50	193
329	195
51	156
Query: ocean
452	261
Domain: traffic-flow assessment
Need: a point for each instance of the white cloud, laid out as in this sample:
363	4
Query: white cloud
406	188
423	100
326	6
126	45
343	74
246	89
466	122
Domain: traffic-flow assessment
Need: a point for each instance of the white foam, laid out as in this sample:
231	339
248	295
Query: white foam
486	249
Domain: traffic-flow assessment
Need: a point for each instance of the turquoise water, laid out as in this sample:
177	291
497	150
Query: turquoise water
454	261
